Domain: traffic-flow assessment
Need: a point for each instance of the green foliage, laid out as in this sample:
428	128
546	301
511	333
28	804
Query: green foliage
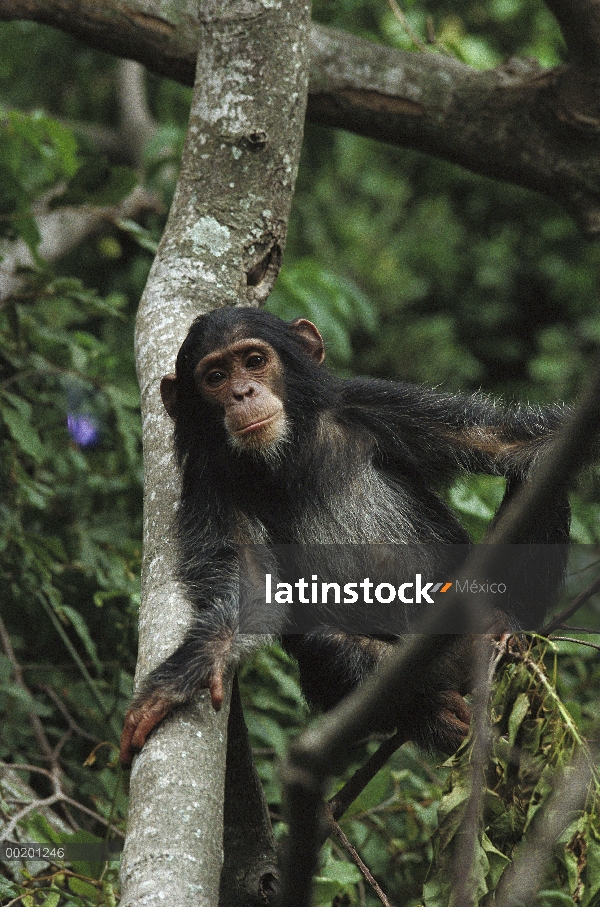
335	879
393	820
534	744
480	34
70	463
476	499
392	824
161	157
70	469
274	710
577	678
401	822
33	74
308	290
473	285
84	882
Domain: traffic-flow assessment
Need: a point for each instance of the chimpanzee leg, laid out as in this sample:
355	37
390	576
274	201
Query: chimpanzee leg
332	664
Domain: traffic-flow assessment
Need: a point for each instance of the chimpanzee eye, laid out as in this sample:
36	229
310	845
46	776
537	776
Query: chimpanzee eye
214	378
255	360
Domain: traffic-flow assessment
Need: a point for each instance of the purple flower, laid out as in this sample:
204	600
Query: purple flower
83	429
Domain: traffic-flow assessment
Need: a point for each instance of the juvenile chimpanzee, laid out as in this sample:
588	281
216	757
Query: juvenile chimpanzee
277	451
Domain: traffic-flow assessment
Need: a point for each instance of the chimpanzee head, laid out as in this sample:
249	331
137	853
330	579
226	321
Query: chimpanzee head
248	373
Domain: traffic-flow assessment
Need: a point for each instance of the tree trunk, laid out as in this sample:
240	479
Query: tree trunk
222	246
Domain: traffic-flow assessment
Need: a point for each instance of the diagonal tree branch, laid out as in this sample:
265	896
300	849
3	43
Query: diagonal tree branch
62	230
532	127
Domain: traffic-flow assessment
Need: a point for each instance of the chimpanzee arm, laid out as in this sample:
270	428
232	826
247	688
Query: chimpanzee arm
424	438
198	662
228	622
437	433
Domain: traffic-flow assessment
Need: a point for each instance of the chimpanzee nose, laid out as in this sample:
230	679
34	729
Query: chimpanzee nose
246	390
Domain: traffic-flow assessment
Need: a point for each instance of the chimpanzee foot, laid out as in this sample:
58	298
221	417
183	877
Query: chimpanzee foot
451	724
140	720
138	724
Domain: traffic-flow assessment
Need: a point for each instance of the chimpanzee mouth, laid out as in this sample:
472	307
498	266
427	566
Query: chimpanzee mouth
265	440
256	426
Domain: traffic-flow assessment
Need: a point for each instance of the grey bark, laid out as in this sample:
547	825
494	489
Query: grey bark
222	246
536	128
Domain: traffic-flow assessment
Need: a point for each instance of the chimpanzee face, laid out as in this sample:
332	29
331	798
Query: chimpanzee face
245	381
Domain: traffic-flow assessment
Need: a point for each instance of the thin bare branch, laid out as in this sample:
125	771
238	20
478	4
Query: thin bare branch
558	620
399	15
580	642
63	230
340	802
354	855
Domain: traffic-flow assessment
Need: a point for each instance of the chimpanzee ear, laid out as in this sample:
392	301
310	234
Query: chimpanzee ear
310	338
168	392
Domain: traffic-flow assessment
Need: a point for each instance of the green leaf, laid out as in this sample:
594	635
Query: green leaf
110	897
23	433
517	716
552	898
51	899
265	730
592	889
143	237
496	859
78	886
376	791
27	228
340	872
